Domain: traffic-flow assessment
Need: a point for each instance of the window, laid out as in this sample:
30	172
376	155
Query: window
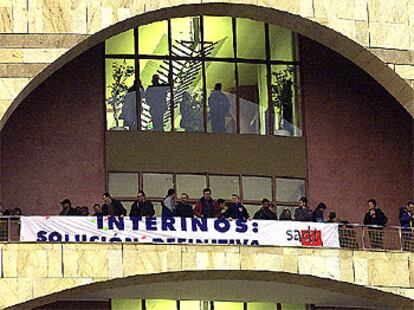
224	186
190	184
215	74
160	304
289	190
157	185
257	188
123	184
224	305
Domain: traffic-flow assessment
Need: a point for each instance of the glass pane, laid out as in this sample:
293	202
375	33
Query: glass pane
157	208
289	189
224	186
126	304
281	43
256	188
190	184
155	113
250	39
160	304
186	37
191	305
127	205
220	305
120	94
252	209
221	102
288	213
153	39
157	185
253	98
218	37
188	95
122	43
287	110
261	306
123	184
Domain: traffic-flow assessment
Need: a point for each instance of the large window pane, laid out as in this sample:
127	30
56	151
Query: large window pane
224	186
160	304
123	184
157	185
153	39
120	94
224	305
250	39
126	304
281	46
218	37
293	307
190	184
289	190
253	98
186	37
221	92
122	43
261	306
155	114
257	188
285	100
188	95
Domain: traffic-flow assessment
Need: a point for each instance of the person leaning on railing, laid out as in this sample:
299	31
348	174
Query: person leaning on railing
303	213
377	219
406	217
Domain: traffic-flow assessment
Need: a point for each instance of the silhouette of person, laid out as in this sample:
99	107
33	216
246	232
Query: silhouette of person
129	109
185	109
219	107
156	97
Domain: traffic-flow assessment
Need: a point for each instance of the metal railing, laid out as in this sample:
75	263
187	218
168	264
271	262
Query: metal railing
351	236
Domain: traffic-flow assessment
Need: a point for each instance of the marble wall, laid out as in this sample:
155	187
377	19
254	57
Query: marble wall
34	270
34	33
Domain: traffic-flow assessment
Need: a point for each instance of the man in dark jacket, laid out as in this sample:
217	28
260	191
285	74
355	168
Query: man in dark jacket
303	213
236	209
67	208
184	209
142	206
317	215
112	206
219	105
258	213
407	223
206	206
374	216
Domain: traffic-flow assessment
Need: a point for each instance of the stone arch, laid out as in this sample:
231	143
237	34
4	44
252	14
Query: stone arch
346	47
161	285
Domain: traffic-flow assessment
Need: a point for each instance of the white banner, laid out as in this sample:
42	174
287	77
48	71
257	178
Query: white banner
177	230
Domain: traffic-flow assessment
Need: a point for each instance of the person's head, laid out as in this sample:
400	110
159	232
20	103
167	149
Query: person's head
155	79
85	210
272	207
141	196
218	86
332	216
184	197
106	198
303	202
410	205
221	203
78	210
265	202
66	203
235	198
8	212
207	193
96	207
372	203
17	211
171	192
321	206
286	214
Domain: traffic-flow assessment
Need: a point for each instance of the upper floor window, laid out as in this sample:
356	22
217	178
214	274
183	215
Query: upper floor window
204	74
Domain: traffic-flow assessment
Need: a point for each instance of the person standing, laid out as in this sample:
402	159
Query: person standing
184	209
156	98
236	209
317	215
406	218
258	213
142	206
112	206
206	206
376	218
219	105
303	213
168	204
67	209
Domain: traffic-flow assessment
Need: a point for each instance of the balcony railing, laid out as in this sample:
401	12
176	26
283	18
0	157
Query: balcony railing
351	236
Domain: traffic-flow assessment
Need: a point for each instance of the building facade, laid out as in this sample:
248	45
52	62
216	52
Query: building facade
263	99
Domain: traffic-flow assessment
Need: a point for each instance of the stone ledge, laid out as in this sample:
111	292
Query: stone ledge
17	70
46	40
